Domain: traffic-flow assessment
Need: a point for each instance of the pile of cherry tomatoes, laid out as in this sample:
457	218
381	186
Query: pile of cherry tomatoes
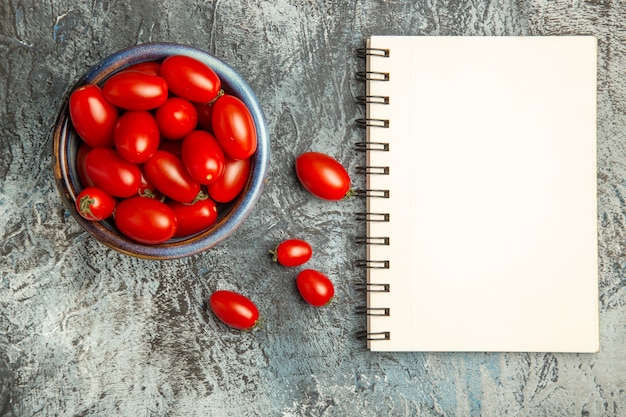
162	147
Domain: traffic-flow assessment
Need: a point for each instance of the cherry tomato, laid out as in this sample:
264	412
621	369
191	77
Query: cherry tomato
176	118
135	90
203	157
190	79
205	113
292	252
234	309
233	127
136	136
169	175
322	175
81	156
232	182
94	204
315	287
145	220
112	173
92	116
193	218
149	67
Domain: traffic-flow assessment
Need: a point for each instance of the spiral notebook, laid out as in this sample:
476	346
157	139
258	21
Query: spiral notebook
481	194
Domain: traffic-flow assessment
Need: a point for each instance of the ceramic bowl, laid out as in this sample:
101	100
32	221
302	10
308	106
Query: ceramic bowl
232	215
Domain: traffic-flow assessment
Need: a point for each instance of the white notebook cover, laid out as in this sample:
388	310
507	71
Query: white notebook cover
492	194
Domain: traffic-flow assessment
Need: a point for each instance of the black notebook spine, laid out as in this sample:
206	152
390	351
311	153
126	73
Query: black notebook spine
367	146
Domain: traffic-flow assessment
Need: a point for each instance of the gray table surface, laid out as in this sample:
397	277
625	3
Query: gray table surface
86	331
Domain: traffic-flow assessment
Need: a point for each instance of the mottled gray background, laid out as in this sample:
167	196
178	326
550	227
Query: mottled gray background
85	331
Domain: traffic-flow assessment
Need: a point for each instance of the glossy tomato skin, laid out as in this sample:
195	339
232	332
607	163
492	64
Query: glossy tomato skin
322	175
167	172
190	79
232	182
94	204
176	118
92	116
135	90
234	127
316	288
293	252
203	157
234	309
81	156
145	220
194	218
112	173
136	136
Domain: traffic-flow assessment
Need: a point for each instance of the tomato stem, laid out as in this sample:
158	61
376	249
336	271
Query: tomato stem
350	193
219	94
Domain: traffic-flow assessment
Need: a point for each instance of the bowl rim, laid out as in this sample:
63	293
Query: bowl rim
66	178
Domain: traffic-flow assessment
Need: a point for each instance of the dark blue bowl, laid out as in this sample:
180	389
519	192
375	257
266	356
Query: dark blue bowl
232	215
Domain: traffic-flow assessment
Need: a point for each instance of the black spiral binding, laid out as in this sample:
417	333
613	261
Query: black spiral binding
369	146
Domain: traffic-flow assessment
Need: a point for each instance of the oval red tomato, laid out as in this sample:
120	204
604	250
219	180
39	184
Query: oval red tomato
234	309
234	127
292	252
203	157
194	218
92	115
190	79
316	288
94	204
176	118
135	90
169	175
322	175
136	136
232	182
145	220
112	173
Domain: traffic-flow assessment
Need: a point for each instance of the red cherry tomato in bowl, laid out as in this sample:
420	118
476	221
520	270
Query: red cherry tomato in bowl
322	175
136	136
92	116
169	175
292	252
176	118
234	309
316	288
233	127
232	182
135	90
202	156
195	217
94	204
145	220
112	173
190	79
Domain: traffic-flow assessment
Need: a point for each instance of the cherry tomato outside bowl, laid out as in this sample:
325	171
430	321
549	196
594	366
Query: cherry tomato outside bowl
65	143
